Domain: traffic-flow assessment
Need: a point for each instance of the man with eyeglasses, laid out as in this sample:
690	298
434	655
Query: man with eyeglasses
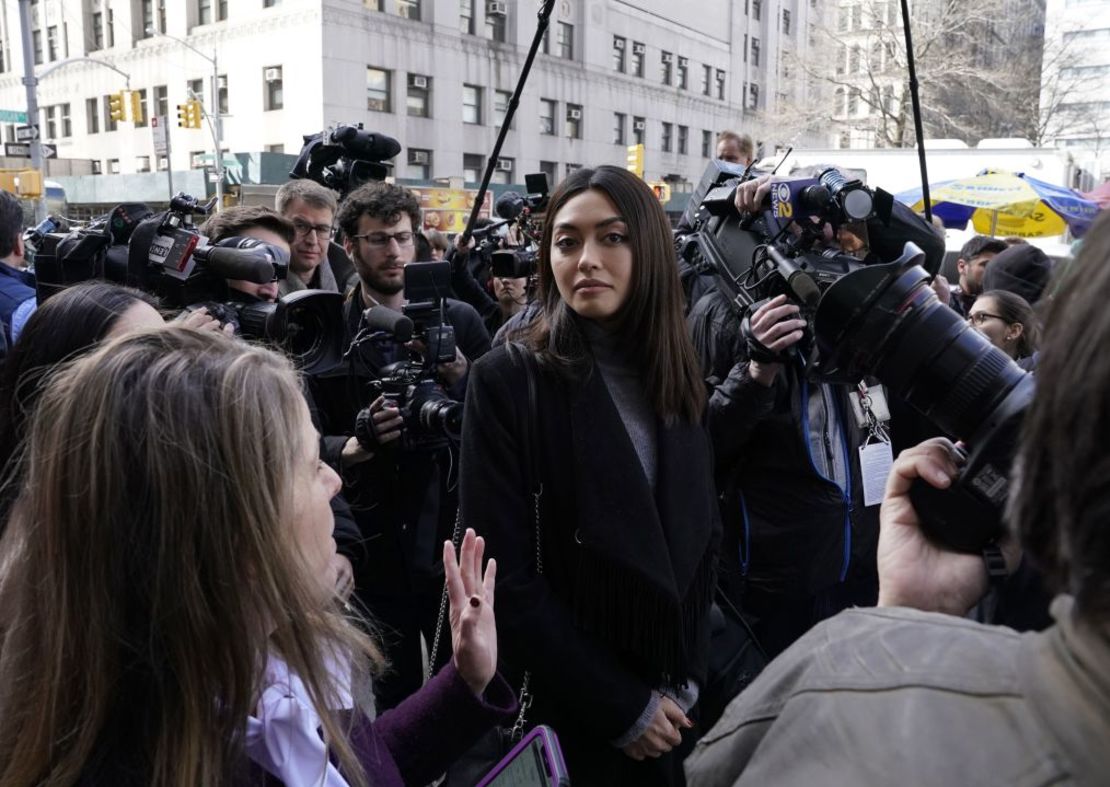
403	499
315	263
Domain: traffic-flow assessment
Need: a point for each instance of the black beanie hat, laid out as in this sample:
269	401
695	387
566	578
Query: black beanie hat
1022	269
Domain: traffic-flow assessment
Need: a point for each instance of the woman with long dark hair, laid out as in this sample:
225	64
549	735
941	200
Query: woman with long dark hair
607	612
168	591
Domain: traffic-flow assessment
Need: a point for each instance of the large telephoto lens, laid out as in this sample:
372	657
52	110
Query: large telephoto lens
886	321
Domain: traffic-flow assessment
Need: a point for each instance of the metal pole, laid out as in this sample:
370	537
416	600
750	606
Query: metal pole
31	82
164	119
918	128
219	133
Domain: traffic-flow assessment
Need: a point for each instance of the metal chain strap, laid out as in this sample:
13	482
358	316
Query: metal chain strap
456	539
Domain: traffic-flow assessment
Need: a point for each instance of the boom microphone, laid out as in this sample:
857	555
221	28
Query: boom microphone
382	318
509	205
255	263
364	145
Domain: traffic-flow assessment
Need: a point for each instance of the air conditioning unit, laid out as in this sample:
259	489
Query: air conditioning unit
683	62
497	8
221	83
639	125
618	43
418	156
271	74
668	57
417	80
638	48
574	114
504	165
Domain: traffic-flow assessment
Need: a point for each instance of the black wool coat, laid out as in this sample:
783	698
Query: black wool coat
614	556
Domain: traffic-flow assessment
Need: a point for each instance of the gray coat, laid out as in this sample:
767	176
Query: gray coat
901	697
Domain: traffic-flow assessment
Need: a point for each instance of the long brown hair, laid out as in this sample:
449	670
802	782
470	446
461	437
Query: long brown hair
1061	506
150	567
651	319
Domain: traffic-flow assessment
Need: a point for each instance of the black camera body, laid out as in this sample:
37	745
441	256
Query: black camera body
344	157
871	319
432	420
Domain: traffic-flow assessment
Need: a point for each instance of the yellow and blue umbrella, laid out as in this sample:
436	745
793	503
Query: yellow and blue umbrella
1006	203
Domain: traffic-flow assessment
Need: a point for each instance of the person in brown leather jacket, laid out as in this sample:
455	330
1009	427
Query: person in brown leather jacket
911	692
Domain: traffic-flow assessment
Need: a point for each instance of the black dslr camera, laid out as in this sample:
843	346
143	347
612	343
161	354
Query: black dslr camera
432	419
867	318
344	157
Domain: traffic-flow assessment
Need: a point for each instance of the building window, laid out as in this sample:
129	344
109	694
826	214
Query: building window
548	110
472	105
141	121
706	143
574	121
378	82
620	47
667	64
466	17
501	106
720	84
706	80
639	130
638	51
785	22
97	32
419	102
668	137
278	148
275	92
409	9
92	116
619	121
204	12
163	163
503	174
113	166
270	4
474	165
111	30
142	163
51	123
683	72
36	44
755	52
855	59
683	140
197	159
97	167
195	89
551	170
162	101
495	27
757	9
373	5
420	164
853	101
571	168
564	40
753	96
109	124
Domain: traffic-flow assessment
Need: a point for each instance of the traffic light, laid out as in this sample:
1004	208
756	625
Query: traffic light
636	160
136	107
116	109
189	114
26	183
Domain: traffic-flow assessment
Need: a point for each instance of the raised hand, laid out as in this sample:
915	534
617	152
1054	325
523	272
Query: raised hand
470	594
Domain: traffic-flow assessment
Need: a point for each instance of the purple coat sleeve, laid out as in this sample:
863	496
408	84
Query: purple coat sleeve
434	727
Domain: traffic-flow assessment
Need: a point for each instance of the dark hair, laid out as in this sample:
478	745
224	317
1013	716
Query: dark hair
61	329
234	221
423	247
652	315
1012	308
11	223
1061	506
383	201
980	244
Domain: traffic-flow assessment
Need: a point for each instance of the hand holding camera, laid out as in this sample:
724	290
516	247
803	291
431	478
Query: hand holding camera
775	328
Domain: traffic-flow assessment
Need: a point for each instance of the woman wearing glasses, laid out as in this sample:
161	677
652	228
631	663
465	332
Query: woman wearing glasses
608	613
1008	321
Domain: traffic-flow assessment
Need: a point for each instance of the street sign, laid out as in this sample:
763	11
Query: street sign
158	130
12	116
26	133
17	150
48	151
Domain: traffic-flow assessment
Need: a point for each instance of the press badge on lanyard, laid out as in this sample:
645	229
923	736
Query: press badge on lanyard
876	457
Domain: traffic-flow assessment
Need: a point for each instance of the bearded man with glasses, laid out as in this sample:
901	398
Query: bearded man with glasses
404	499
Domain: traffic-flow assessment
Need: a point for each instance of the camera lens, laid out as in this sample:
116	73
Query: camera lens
886	321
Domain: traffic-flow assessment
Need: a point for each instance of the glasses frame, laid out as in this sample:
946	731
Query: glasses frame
981	317
385	238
